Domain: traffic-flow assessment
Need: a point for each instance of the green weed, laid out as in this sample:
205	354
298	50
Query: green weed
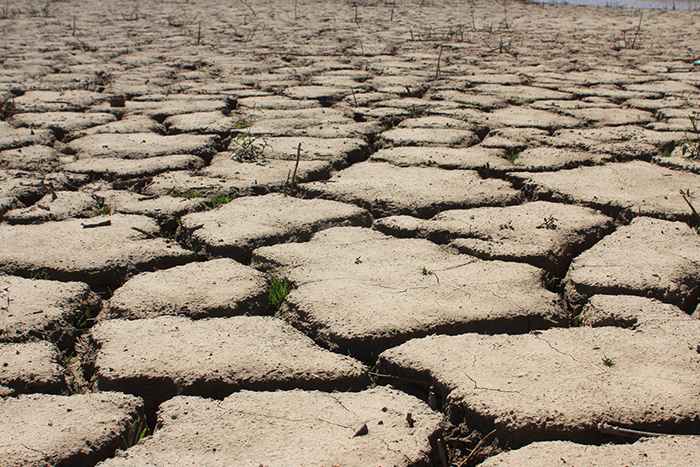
277	292
43	276
222	198
688	146
511	156
83	318
247	146
609	362
67	358
426	271
552	281
102	209
134	434
667	152
576	316
168	235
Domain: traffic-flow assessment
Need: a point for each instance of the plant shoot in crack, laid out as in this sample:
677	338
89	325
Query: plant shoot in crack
134	434
277	292
690	147
247	146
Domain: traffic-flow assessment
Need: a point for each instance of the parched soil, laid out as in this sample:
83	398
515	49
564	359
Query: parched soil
332	233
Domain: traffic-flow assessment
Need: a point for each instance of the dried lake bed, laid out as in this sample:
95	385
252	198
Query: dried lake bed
408	233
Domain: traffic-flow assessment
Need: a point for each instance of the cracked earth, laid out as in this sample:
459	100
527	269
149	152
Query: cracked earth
482	214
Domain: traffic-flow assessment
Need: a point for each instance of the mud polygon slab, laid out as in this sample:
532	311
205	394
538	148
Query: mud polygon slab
164	209
613	93
677	160
128	124
666	87
365	130
531	118
237	228
598	103
541	159
160	358
35	157
325	95
385	189
340	152
625	142
611	117
100	256
656	105
559	383
471	158
66	122
228	176
112	168
161	110
641	314
521	94
220	287
31	367
436	122
56	207
365	99
289	428
665	451
276	103
546	235
427	137
275	123
54	101
469	99
11	138
361	291
43	309
199	122
502	79
649	257
265	172
515	139
639	187
672	124
45	430
143	145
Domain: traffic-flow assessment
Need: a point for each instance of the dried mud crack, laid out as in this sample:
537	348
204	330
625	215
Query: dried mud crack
348	233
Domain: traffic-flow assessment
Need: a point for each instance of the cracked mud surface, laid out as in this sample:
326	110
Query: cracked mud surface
348	233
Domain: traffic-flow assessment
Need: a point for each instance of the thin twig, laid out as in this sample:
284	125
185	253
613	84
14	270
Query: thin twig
476	448
399	378
293	184
353	95
251	8
639	26
626	432
98	224
437	69
686	196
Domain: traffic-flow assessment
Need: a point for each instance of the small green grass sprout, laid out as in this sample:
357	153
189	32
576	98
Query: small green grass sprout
134	434
83	318
511	156
222	198
609	362
277	292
